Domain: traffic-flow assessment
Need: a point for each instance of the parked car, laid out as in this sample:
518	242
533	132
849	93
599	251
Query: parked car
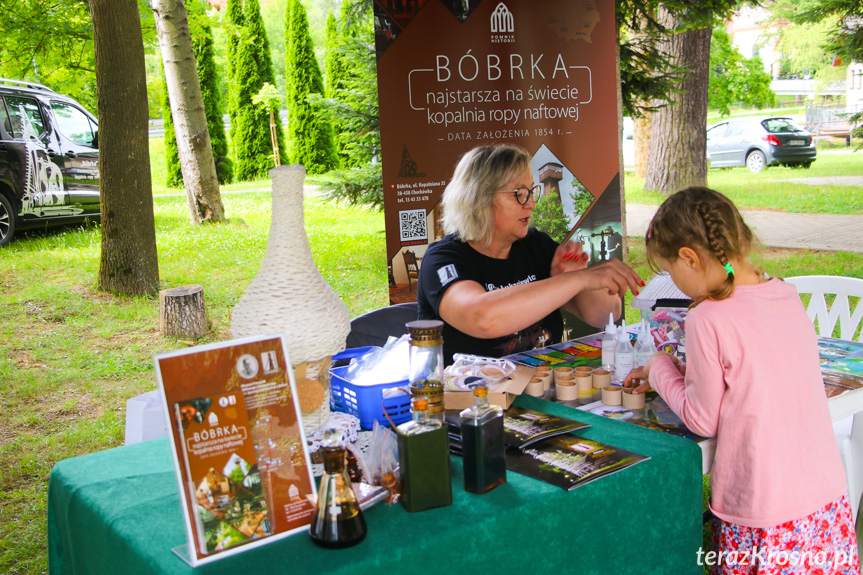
49	159
759	142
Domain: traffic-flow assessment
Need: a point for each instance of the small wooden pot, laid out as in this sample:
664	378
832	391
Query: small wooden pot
612	395
535	387
601	378
633	400
566	390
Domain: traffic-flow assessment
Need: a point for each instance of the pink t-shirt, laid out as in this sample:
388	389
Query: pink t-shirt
753	380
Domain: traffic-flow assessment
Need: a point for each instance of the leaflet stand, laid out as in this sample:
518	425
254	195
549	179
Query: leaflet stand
240	456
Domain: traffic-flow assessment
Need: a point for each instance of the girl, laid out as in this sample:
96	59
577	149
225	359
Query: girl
752	380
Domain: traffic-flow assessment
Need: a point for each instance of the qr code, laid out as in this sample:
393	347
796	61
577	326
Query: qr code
412	225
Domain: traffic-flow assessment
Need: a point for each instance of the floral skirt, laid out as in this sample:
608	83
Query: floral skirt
823	543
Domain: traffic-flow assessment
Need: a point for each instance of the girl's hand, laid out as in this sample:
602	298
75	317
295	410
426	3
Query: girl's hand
640	375
568	257
637	377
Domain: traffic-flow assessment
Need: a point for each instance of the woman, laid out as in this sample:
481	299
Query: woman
498	284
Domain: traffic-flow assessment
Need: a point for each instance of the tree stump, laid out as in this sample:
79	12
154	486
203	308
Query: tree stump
182	312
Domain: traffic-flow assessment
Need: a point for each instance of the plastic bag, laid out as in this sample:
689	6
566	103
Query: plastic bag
389	363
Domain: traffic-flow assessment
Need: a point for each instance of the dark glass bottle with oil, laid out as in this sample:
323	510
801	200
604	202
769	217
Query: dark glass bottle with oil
424	460
338	521
482	444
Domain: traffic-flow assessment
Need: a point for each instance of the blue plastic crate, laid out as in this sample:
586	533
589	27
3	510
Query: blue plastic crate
367	402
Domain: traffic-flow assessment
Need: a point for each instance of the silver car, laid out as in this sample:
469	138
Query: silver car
759	142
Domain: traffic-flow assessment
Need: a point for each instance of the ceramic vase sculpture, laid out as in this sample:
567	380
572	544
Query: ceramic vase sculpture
290	296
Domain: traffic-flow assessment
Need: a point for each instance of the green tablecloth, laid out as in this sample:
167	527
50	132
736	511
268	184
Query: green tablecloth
118	512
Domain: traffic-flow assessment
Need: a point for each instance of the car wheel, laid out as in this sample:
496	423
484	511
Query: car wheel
756	161
7	221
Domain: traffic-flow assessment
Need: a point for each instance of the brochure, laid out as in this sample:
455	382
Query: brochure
240	453
521	427
569	461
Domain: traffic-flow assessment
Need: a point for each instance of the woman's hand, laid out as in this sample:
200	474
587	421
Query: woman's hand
612	275
568	257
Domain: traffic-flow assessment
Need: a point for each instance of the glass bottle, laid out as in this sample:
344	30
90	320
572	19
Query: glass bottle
609	341
645	347
338	520
624	354
426	364
424	460
482	444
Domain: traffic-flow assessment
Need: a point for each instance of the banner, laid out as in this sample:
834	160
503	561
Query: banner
459	73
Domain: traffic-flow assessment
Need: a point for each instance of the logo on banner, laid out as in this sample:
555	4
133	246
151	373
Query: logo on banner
502	25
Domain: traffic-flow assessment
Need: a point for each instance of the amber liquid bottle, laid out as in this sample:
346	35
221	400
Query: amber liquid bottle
338	521
482	444
424	460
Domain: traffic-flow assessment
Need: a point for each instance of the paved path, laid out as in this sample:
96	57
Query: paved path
780	229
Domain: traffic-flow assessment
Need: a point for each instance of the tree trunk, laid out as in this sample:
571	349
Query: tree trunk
187	109
183	312
129	264
621	170
641	138
678	140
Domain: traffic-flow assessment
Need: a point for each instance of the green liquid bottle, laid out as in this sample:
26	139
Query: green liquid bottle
424	460
482	444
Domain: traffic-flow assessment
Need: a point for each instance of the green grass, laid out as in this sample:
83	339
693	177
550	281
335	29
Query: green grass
764	191
71	356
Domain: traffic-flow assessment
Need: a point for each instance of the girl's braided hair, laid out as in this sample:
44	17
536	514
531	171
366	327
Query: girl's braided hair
706	221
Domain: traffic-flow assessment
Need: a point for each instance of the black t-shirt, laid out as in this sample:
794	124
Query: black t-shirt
450	260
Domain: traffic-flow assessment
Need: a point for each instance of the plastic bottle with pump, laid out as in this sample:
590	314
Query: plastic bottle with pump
645	348
624	354
609	341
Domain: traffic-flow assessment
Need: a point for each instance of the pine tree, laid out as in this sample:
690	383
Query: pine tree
354	110
234	22
336	82
310	132
202	41
251	136
174	175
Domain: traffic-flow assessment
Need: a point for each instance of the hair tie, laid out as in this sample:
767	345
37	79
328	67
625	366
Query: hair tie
729	271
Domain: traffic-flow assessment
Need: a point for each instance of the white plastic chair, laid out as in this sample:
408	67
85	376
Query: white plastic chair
848	429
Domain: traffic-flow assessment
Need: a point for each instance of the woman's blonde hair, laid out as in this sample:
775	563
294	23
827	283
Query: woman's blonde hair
706	221
468	200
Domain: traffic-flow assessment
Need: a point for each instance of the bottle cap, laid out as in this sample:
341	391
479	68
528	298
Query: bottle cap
611	328
419	404
425	332
480	391
332	438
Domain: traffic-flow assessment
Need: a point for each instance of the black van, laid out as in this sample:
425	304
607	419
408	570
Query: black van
49	159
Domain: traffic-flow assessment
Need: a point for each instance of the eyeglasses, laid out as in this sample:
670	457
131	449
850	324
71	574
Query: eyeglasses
523	193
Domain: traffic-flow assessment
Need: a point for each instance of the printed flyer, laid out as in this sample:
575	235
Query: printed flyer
244	473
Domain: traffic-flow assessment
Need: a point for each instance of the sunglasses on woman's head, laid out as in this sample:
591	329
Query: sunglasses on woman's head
522	194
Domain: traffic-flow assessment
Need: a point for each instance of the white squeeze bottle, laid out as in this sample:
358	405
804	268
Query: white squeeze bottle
624	355
609	340
644	348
